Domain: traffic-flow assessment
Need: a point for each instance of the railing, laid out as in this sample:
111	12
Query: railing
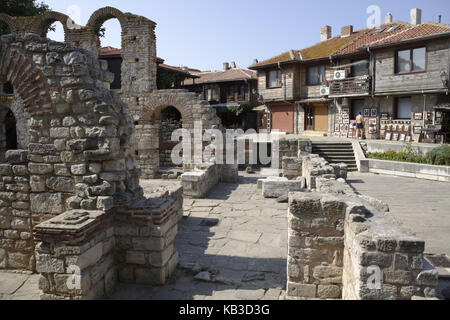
351	86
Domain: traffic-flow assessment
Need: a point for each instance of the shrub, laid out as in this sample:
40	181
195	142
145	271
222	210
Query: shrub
439	156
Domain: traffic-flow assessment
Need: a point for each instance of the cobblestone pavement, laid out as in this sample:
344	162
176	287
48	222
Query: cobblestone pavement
232	245
421	205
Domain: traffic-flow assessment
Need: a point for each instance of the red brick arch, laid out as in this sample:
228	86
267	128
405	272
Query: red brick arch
99	17
46	19
8	21
28	80
152	112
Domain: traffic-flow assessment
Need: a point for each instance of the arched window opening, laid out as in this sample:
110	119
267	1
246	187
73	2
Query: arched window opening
10	131
56	32
7	88
170	114
111	43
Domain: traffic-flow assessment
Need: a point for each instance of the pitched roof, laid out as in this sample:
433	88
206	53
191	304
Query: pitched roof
234	74
110	51
390	33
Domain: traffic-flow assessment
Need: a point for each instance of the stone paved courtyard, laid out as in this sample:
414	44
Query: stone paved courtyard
421	205
233	242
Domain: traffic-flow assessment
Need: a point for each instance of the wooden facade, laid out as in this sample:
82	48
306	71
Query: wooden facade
377	85
437	61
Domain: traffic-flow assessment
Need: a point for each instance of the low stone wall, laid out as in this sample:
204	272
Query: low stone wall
316	246
82	254
341	243
229	173
197	183
75	256
145	235
314	167
294	148
381	261
411	170
292	167
274	187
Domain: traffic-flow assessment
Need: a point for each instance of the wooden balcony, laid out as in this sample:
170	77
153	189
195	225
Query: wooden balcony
358	86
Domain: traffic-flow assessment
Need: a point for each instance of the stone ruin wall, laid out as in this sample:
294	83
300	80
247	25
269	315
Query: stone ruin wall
337	238
75	189
14	104
139	70
193	110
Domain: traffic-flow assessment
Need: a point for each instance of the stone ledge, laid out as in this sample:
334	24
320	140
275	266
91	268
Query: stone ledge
71	224
412	170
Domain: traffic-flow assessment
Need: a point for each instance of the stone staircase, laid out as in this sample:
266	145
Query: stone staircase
336	152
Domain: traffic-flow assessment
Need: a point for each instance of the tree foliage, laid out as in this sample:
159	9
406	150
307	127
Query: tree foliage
24	8
21	8
166	79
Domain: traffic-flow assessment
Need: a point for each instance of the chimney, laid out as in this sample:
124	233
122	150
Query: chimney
233	65
325	33
440	19
226	66
346	31
389	18
255	61
416	16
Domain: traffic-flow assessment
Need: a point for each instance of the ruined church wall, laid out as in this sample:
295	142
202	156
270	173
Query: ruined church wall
78	155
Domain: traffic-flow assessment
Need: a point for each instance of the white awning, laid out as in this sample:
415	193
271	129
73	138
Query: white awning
261	108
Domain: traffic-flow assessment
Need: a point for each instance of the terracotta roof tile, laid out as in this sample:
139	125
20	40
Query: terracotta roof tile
422	30
222	76
110	51
361	39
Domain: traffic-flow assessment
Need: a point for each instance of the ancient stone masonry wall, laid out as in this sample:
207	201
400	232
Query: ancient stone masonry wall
316	246
374	240
341	243
75	256
16	235
294	148
77	185
315	167
78	155
145	234
193	110
198	182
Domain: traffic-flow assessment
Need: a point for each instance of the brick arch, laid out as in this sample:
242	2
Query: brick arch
46	19
8	21
152	112
28	80
99	17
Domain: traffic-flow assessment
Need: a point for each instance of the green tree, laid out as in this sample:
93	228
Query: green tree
23	8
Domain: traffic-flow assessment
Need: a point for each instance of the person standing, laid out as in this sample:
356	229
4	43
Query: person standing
359	126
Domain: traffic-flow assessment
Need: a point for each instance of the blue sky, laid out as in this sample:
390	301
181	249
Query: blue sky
203	34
